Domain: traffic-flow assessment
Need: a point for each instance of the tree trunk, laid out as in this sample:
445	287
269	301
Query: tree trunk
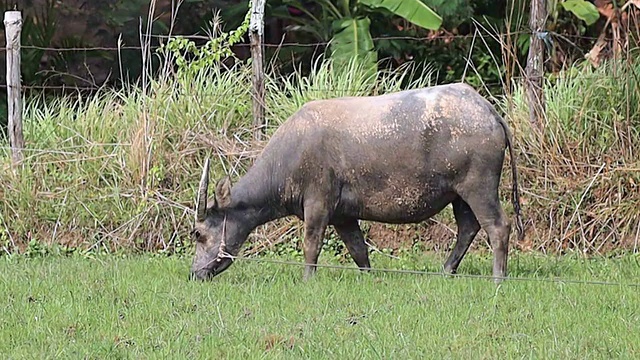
535	63
256	32
13	29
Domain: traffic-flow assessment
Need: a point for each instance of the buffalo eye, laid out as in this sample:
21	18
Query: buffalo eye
196	234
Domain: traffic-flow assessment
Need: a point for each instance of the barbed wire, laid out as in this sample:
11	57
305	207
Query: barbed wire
90	48
301	44
57	87
95	87
74	88
556	280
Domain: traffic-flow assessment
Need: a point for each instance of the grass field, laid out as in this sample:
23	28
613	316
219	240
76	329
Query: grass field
144	307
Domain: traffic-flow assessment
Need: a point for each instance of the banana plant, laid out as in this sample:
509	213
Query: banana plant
345	24
583	9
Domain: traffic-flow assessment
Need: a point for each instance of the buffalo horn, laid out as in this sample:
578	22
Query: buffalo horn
201	204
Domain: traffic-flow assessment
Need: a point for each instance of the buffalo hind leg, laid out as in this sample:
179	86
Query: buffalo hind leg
493	220
468	227
350	233
316	218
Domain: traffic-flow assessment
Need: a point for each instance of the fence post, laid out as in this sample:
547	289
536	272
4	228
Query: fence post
13	28
535	63
256	30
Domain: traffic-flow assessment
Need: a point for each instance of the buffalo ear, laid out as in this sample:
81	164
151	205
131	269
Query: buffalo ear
223	192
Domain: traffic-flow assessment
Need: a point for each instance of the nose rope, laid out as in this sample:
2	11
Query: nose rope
222	251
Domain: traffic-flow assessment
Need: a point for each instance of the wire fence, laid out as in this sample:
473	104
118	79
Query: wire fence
87	84
547	35
97	87
554	280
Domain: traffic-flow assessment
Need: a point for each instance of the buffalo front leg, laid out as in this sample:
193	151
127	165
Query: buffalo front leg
350	233
315	223
468	227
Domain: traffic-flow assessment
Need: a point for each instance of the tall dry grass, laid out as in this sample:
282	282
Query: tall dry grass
118	170
581	170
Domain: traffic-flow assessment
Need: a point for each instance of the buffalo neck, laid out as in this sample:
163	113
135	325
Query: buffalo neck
255	196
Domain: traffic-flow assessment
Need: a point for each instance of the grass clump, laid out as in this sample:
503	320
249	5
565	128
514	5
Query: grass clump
117	169
286	94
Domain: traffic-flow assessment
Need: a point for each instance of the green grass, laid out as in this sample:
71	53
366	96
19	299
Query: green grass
144	307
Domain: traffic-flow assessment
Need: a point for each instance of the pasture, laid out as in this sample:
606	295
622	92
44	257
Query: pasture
115	172
142	306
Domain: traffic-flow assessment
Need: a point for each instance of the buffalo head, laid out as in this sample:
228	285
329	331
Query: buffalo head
216	232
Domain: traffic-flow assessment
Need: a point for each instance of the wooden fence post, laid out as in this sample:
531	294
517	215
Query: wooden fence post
13	28
535	63
256	30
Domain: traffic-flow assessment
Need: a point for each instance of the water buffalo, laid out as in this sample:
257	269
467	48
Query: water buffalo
395	158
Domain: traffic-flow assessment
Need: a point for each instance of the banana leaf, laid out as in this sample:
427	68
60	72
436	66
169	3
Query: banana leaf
583	9
414	11
352	39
